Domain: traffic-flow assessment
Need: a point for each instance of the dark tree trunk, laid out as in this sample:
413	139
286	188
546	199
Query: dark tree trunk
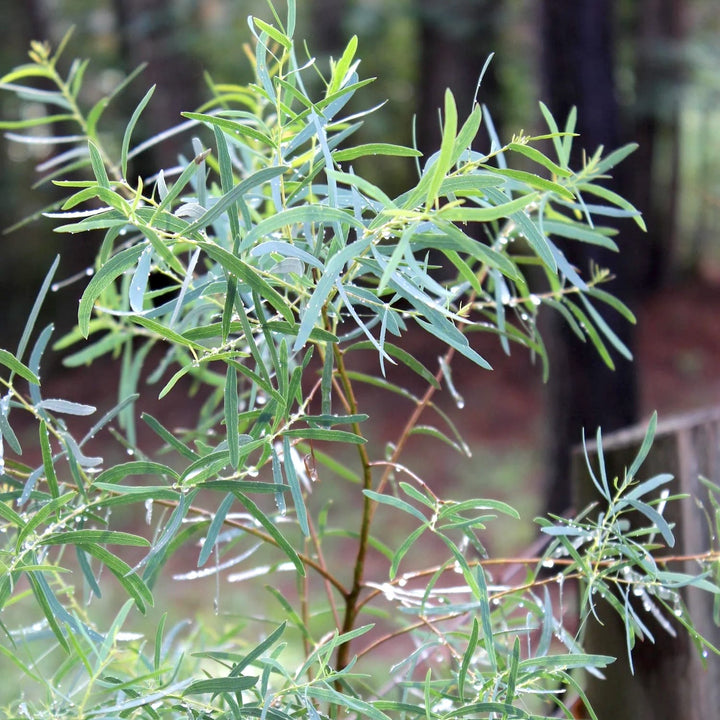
660	26
456	37
149	33
327	22
577	60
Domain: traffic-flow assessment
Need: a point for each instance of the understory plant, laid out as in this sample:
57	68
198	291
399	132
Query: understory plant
264	554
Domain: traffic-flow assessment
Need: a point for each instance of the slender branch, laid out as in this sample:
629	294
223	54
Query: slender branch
412	422
351	599
323	564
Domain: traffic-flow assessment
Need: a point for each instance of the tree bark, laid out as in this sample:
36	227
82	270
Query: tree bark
578	69
660	27
456	37
149	33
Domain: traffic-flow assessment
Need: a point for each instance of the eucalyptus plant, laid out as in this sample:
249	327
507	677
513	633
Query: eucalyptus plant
247	280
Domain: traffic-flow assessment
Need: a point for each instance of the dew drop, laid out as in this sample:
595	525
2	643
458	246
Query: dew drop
548	563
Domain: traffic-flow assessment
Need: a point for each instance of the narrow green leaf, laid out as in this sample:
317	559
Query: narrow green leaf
536	156
468	656
98	166
374	149
7	513
513	672
327	435
447	332
178	186
66	407
485	617
250	276
37	304
42	515
133	584
445	158
139	282
295	489
274	533
134	494
231	415
404	548
615	157
230	684
135	467
129	130
165	332
108	272
214	530
45	605
656	520
333	268
365	186
233	128
589	330
617	200
109	342
467	133
342	66
487	214
274	33
298	216
397	255
10	361
258	651
24	71
229	200
82	537
534	181
162	432
226	184
647	487
7	432
401	355
87	572
577	231
396	503
335	698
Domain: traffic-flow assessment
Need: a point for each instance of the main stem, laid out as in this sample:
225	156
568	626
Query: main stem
352	607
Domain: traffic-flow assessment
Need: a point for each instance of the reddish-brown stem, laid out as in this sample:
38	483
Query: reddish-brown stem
351	598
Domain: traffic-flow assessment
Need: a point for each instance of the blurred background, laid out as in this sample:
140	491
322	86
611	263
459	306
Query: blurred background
644	71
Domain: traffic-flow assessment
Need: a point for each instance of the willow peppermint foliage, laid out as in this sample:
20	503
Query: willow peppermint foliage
257	268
